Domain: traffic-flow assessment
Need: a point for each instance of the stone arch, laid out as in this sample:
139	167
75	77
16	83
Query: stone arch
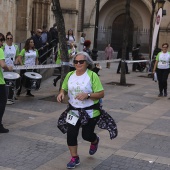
111	9
117	32
104	2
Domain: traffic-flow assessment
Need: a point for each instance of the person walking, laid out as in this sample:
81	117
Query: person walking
71	53
108	54
84	90
3	91
28	57
161	68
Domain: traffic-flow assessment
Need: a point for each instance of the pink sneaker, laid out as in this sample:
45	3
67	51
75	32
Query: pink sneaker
93	147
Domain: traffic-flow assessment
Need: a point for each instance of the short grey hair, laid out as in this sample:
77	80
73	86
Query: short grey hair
86	57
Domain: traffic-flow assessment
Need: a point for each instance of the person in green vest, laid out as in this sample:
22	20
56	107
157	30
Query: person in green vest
11	52
71	52
3	92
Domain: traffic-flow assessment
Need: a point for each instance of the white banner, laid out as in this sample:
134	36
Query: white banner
156	30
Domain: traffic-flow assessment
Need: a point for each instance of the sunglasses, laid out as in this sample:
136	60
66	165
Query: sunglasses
1	39
79	61
9	38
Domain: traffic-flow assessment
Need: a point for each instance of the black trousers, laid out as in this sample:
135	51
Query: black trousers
22	80
10	92
3	100
87	132
162	75
119	66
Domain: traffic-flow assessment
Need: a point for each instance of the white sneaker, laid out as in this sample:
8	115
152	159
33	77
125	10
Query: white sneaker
9	102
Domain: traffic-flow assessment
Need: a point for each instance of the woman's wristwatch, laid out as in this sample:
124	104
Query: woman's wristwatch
88	95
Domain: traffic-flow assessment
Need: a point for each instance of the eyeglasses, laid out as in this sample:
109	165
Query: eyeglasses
40	32
9	38
79	61
1	39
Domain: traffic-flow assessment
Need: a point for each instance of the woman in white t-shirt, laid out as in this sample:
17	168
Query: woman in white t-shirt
28	57
81	43
162	69
84	90
70	37
11	51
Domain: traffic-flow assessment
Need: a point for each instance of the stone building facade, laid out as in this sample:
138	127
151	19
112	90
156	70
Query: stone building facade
22	16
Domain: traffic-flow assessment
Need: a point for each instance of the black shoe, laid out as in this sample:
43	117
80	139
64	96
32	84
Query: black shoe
118	72
18	94
128	73
15	98
165	94
3	130
160	95
54	82
29	94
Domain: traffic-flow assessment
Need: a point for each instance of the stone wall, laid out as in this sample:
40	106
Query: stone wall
8	16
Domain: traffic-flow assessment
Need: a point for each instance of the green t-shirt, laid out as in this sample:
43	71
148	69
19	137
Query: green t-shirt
89	82
58	61
1	74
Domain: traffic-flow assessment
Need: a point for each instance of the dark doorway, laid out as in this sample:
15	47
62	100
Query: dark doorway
117	32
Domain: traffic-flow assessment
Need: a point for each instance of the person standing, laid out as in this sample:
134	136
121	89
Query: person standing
28	57
108	54
38	43
161	68
11	52
54	37
46	39
3	92
119	56
87	49
135	56
82	40
70	37
84	91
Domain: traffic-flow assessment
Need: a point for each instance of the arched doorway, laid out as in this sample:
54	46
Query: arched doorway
117	32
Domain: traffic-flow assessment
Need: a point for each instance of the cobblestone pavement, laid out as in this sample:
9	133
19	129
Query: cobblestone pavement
35	143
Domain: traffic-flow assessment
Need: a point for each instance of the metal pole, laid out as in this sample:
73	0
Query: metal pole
94	51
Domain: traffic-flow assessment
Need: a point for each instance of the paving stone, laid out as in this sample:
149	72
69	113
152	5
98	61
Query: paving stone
27	154
12	117
122	163
167	113
160	125
150	144
48	127
37	105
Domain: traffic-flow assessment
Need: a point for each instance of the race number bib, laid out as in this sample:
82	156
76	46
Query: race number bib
72	117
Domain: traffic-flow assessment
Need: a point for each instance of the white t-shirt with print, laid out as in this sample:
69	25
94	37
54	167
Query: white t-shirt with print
163	60
89	82
10	53
29	57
